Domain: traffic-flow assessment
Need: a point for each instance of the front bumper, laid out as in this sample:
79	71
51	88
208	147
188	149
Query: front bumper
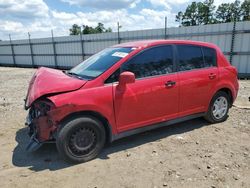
41	131
34	143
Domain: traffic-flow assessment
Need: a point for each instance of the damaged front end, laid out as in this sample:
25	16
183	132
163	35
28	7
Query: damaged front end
41	127
44	83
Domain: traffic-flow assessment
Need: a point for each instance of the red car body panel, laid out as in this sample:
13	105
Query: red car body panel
85	100
196	88
48	81
142	103
145	102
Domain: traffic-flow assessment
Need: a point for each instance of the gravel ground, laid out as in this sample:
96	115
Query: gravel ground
189	154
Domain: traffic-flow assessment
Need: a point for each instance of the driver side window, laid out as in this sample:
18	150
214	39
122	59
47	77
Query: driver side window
113	77
151	62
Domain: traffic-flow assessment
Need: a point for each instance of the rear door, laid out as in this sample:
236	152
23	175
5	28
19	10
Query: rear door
197	74
154	95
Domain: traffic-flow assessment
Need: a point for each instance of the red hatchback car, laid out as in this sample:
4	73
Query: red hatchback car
127	89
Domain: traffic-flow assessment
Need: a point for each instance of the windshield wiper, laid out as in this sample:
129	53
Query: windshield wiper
81	77
73	74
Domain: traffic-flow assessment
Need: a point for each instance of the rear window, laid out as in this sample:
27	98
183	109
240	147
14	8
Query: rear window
195	57
209	57
190	57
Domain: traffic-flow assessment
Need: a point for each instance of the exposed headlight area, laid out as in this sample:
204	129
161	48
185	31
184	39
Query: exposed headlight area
37	116
40	108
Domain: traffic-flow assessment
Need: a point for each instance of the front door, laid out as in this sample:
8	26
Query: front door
154	95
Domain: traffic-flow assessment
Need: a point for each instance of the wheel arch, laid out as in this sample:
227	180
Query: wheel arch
97	115
228	91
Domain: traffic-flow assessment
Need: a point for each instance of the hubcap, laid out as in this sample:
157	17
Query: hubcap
82	141
220	107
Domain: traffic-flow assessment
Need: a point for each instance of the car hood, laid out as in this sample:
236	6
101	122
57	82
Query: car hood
50	81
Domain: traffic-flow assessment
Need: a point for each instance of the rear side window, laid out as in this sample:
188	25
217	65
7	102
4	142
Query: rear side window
209	57
190	57
154	61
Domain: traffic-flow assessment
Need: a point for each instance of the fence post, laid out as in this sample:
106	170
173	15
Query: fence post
31	51
232	40
166	21
54	49
12	51
118	33
82	46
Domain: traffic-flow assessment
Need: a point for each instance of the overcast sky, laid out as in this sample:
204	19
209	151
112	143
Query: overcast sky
17	17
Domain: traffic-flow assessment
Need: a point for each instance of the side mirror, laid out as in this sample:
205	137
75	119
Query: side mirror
126	78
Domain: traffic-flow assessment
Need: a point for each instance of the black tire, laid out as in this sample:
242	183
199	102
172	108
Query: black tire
81	139
210	117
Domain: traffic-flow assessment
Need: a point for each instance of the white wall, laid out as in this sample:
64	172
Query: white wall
69	51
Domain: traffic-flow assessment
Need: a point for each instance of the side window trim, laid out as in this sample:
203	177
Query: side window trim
202	51
176	57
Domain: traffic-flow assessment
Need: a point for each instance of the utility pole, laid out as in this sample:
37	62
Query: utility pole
166	21
81	41
118	32
12	50
31	52
54	49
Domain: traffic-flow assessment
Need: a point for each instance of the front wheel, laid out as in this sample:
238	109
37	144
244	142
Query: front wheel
218	108
81	139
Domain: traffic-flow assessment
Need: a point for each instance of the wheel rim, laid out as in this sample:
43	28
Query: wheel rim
82	141
220	107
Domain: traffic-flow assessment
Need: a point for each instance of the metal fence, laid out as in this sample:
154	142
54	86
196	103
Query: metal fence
68	51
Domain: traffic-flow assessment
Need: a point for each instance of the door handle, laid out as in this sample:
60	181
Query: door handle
170	83
212	76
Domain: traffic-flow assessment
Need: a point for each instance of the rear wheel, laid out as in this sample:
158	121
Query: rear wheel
218	108
81	139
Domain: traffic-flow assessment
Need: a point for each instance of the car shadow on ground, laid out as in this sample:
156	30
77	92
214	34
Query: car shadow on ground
47	156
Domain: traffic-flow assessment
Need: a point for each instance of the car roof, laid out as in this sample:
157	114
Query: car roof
148	43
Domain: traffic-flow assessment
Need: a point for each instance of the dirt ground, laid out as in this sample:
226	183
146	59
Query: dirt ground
189	154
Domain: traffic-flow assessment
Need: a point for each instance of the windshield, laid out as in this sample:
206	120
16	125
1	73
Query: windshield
99	63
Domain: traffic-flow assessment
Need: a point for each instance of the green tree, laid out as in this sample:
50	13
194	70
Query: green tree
100	28
191	15
179	17
237	11
224	13
75	30
197	13
227	12
108	30
88	30
245	7
206	12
